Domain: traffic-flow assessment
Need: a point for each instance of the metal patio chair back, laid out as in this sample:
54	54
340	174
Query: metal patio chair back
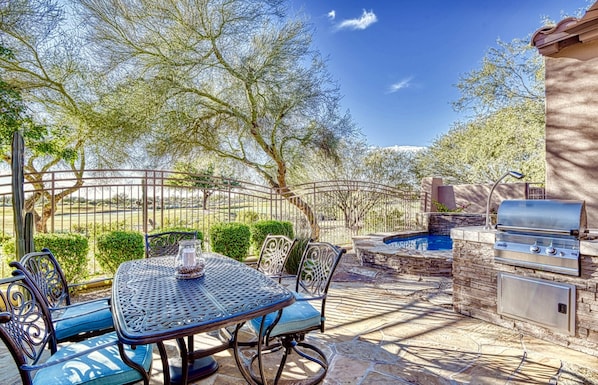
166	243
72	322
26	328
274	254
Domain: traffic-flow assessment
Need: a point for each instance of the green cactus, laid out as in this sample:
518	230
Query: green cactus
28	233
18	193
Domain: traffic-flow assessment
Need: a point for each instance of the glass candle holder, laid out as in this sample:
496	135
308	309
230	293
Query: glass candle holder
189	262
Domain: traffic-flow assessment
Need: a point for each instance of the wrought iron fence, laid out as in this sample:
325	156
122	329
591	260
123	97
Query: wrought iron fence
144	200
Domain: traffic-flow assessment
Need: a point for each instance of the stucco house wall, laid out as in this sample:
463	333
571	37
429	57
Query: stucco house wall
572	126
570	50
472	198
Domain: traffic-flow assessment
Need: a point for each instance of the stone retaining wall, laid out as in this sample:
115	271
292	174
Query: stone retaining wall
442	223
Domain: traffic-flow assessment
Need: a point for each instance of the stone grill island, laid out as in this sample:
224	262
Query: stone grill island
476	289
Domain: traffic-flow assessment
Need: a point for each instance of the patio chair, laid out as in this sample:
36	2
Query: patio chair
72	321
166	243
274	254
284	332
27	331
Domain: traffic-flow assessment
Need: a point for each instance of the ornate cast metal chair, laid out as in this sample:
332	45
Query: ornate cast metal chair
284	332
274	254
72	321
166	243
27	331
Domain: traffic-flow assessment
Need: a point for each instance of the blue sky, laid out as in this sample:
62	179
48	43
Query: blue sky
397	61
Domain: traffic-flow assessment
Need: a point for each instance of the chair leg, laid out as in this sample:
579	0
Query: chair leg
323	362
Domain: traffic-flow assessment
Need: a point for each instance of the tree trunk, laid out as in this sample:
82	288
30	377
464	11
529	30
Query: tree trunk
305	208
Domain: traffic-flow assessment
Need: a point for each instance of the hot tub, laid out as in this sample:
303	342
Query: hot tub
377	251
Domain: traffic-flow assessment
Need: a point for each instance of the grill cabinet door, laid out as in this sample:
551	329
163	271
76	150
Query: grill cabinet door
550	304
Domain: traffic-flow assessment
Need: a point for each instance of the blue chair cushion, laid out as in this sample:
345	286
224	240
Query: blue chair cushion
298	316
84	317
103	366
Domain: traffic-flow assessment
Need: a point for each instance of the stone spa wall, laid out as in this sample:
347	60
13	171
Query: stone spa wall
373	252
442	223
475	288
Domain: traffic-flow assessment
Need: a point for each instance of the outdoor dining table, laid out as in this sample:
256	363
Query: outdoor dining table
151	305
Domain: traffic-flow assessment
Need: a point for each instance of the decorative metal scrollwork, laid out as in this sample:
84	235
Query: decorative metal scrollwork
27	328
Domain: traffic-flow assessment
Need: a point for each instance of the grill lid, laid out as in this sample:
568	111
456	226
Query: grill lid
565	217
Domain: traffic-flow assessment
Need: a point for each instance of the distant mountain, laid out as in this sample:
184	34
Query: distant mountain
405	148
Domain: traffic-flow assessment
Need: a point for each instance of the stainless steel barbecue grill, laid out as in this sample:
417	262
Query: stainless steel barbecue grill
541	234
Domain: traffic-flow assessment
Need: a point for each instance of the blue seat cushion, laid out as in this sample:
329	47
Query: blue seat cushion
103	366
83	317
298	316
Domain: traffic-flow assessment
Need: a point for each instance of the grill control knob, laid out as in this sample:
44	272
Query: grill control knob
534	248
550	250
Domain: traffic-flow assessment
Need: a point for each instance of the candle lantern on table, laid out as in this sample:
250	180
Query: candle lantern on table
189	262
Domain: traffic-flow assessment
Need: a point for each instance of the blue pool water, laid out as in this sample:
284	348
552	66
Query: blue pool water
423	242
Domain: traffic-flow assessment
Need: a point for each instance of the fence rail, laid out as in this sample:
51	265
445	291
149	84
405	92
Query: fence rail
145	200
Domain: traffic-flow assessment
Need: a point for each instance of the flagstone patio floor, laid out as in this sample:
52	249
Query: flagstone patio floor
389	329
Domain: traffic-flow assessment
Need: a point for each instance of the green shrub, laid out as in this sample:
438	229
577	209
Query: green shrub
248	217
292	265
70	250
260	229
98	227
116	247
230	239
9	249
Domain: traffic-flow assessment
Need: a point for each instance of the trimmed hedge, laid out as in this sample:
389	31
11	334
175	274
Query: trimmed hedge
70	250
116	247
231	239
261	229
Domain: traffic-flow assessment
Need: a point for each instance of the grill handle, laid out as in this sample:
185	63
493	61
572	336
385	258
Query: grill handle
536	230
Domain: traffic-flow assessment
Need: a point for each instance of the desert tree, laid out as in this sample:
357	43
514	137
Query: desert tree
238	79
44	59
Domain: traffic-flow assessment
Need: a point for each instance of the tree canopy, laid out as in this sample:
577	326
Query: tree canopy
236	78
506	126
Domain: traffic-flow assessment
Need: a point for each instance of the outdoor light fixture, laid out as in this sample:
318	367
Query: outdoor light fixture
514	174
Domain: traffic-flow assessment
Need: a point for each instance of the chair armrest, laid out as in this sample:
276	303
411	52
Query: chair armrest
69	357
60	309
5	317
302	297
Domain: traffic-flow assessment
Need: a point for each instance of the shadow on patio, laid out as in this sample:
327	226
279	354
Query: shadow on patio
385	329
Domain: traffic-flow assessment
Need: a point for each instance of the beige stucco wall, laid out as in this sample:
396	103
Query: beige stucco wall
572	126
473	197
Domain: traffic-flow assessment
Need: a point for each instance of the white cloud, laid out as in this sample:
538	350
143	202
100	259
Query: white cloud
366	19
332	14
400	85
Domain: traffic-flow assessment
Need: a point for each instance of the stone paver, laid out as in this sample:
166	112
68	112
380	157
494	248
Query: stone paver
384	329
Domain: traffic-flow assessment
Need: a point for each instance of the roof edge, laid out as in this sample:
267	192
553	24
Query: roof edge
550	40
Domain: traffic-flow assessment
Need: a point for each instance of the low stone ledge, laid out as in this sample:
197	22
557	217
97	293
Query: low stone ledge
373	252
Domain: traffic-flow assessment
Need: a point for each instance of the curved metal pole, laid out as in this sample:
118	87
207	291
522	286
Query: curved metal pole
514	174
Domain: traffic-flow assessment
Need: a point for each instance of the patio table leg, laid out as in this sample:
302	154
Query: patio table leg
165	365
194	365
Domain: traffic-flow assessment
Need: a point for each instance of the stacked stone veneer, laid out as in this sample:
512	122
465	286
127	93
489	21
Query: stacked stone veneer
475	289
442	223
373	252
